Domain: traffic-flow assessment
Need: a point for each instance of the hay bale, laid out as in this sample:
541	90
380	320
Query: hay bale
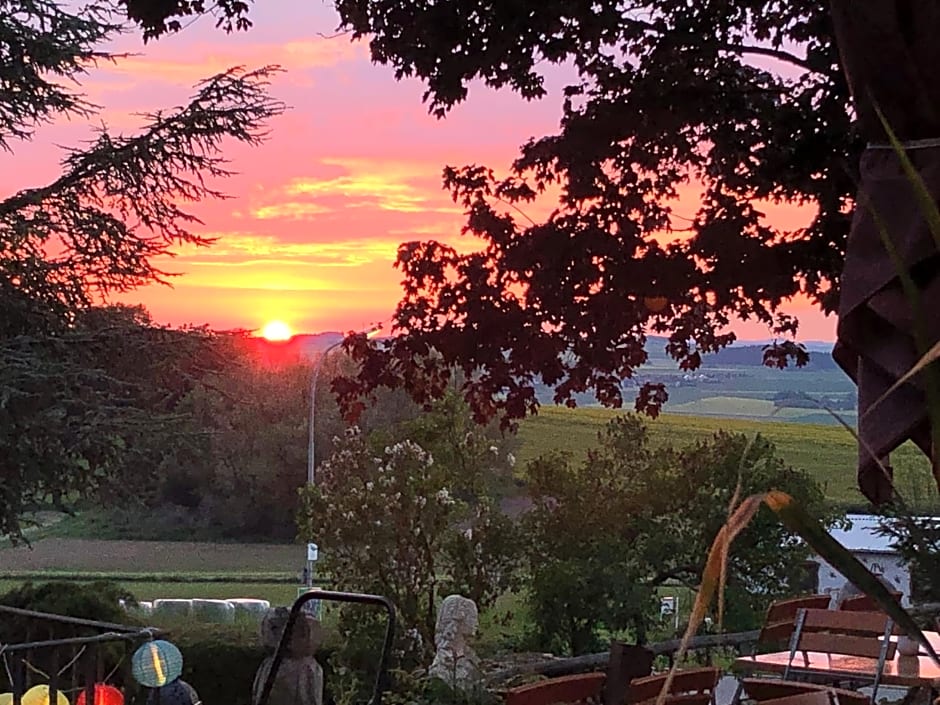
218	611
249	608
173	608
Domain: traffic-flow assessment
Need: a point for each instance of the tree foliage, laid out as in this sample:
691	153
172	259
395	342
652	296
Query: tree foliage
81	385
737	103
605	535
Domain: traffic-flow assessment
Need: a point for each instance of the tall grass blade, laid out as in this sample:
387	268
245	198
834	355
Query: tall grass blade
711	578
835	554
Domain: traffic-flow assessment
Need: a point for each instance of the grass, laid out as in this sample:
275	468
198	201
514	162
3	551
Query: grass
826	452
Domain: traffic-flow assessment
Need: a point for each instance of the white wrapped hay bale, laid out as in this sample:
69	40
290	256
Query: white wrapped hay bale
219	611
249	608
173	608
145	607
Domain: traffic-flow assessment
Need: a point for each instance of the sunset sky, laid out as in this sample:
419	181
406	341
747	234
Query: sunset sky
350	171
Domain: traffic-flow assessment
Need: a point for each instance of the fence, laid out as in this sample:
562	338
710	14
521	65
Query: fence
68	656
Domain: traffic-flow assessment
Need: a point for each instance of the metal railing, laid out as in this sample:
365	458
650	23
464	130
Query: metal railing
66	654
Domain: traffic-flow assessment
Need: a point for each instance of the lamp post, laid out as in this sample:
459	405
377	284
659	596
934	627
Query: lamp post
311	440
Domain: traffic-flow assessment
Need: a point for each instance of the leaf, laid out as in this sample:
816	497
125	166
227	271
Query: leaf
711	577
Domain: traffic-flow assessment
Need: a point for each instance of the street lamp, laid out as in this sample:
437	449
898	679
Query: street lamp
311	441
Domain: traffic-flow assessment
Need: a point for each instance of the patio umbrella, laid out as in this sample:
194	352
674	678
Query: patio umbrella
890	53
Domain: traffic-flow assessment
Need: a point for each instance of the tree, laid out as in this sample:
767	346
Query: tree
73	398
744	100
605	535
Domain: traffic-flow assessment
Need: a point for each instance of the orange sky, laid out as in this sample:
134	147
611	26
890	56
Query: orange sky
350	171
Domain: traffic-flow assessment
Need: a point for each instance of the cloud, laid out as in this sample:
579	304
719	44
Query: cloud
201	61
400	187
249	250
290	210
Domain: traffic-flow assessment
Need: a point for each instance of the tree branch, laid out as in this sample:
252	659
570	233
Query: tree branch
778	54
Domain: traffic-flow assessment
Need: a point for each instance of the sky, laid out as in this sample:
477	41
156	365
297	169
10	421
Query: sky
316	213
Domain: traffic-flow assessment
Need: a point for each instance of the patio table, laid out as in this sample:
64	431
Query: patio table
904	671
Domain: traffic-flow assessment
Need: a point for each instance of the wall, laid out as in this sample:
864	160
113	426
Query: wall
888	565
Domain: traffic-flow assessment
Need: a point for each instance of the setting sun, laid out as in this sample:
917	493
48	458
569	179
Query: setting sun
277	330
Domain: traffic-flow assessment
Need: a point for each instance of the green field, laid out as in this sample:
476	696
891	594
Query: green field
826	452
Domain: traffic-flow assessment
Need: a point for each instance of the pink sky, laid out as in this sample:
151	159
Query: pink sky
352	169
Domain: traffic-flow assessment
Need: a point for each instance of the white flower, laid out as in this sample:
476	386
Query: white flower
494	450
370	486
510	459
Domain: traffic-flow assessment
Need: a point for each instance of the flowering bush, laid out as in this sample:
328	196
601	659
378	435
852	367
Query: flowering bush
408	515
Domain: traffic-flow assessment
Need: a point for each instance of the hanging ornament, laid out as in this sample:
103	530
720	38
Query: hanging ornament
104	695
157	663
39	695
6	698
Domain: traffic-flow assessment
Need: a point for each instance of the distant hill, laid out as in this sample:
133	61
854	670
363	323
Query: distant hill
750	354
753	355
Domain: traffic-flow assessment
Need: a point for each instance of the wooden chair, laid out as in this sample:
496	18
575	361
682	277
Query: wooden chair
761	690
580	688
692	687
838	633
864	603
781	616
778	625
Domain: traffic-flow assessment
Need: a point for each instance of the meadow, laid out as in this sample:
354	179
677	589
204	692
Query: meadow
827	452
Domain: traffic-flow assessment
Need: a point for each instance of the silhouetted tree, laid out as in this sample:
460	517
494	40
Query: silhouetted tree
79	386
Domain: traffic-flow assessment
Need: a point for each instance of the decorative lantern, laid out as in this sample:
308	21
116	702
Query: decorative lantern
39	695
157	663
6	698
104	695
179	692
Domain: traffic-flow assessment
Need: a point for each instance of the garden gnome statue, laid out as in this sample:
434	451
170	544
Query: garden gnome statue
299	678
455	662
890	54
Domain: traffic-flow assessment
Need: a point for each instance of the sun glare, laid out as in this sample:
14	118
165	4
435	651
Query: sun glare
277	330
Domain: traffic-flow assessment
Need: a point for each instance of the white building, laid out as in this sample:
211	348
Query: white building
873	550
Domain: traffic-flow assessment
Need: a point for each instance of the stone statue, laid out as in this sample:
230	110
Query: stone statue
455	662
299	678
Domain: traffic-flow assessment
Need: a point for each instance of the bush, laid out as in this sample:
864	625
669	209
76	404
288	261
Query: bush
97	601
220	662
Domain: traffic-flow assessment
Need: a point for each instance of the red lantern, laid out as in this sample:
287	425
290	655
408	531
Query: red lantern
104	695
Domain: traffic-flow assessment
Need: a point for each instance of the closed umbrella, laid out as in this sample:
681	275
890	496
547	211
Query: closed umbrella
890	55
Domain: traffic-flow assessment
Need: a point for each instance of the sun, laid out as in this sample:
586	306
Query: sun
277	331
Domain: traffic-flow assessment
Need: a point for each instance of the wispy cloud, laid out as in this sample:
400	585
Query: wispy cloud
201	61
402	187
